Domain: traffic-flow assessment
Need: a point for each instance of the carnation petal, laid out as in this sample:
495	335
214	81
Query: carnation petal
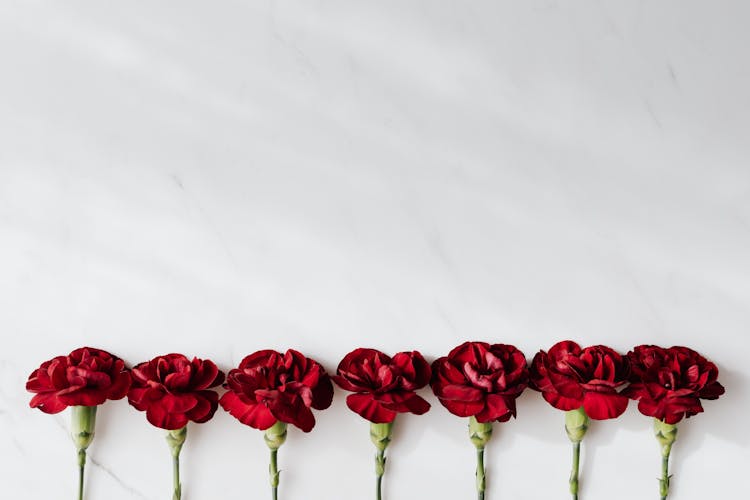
651	408
445	371
178	403
561	402
366	406
712	391
563	348
602	406
253	414
403	402
460	393
462	408
119	388
36	384
178	381
414	370
323	393
468	352
205	374
158	415
565	386
48	403
344	381
495	408
82	397
292	410
203	411
140	397
56	372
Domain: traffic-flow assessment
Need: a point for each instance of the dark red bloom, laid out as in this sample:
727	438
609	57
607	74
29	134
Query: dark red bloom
481	380
669	383
570	377
173	390
270	386
85	377
383	386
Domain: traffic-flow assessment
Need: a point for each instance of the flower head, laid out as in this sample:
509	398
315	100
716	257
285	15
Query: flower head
481	380
669	383
269	386
173	390
570	377
85	377
383	386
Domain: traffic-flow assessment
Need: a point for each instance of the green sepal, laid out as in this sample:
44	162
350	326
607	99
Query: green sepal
576	424
275	435
83	421
666	434
380	435
479	433
175	439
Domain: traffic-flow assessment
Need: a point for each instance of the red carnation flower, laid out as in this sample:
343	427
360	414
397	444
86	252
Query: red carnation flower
269	386
669	383
173	390
85	377
584	383
383	386
270	390
570	378
481	380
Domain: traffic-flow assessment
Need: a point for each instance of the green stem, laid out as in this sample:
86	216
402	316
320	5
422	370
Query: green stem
379	471
480	474
176	478
83	422
666	434
664	481
574	471
380	435
576	425
175	440
480	434
81	468
274	438
274	474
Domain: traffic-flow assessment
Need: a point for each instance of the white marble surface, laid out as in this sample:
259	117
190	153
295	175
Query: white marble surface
218	177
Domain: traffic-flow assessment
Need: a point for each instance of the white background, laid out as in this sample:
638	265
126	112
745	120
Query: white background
213	178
